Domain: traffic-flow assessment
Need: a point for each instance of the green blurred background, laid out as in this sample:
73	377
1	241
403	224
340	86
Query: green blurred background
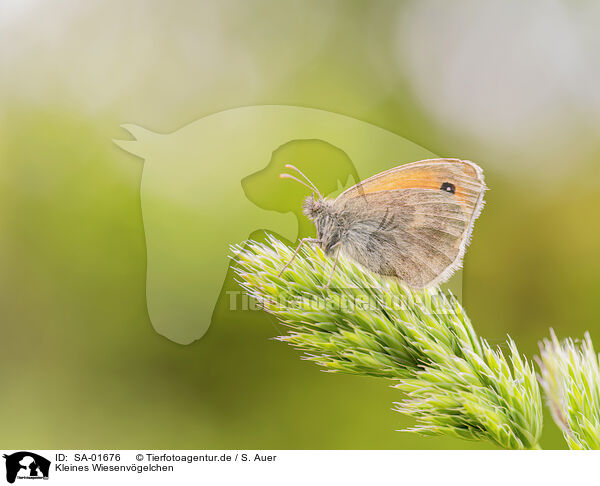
512	86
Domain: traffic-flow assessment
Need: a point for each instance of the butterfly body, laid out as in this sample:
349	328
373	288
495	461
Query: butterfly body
412	222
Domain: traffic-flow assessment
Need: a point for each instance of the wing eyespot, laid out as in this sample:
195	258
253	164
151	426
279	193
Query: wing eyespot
448	187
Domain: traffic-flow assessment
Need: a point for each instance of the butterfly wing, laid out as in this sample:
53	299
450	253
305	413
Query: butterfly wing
414	221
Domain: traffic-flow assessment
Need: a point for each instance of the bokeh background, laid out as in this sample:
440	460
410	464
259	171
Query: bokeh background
510	85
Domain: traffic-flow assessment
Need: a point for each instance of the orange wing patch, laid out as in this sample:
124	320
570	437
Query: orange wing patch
465	177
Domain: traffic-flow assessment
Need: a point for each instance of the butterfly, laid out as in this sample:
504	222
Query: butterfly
412	222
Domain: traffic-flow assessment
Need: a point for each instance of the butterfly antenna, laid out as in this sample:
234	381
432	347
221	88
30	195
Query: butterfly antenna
289	176
289	166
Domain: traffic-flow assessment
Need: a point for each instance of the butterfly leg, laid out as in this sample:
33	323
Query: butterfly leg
302	241
335	262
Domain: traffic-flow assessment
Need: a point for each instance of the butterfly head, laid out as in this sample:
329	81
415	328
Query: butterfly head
313	205
327	222
319	210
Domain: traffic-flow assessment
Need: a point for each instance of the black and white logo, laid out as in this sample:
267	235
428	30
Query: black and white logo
26	465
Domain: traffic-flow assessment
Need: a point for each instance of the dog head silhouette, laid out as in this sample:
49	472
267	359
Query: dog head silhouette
26	463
